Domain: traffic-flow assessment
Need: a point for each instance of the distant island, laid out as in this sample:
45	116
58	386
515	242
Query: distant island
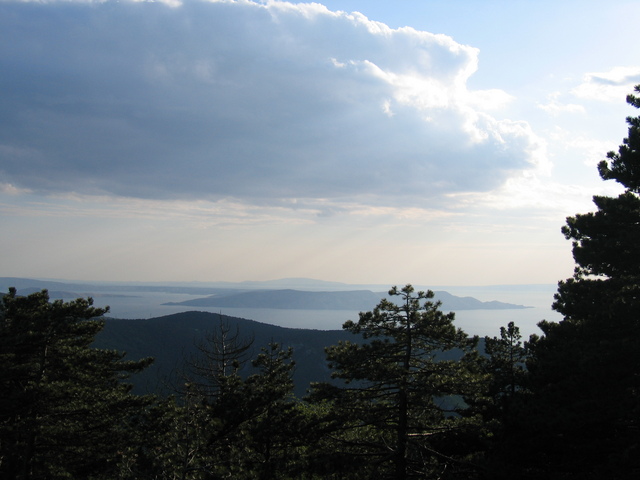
339	300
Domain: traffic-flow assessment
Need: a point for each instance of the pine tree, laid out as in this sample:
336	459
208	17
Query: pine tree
402	388
64	410
506	357
271	434
232	419
585	370
500	403
215	403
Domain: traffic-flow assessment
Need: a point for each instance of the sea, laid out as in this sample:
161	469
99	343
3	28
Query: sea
537	299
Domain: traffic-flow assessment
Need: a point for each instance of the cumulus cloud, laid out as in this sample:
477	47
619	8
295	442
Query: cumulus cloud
264	102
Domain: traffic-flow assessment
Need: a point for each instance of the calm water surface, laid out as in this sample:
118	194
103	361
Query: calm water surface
474	322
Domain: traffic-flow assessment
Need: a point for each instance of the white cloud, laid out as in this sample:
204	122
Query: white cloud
591	149
611	86
488	100
261	102
9	189
526	201
555	107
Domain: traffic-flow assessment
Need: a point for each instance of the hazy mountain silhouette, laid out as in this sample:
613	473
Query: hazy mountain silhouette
342	300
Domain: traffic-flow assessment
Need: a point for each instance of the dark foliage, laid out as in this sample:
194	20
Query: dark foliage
582	419
400	402
64	410
172	338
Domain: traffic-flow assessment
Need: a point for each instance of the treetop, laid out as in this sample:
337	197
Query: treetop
624	166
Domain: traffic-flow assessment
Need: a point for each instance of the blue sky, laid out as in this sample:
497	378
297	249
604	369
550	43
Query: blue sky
414	141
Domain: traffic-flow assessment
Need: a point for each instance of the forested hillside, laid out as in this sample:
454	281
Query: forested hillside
174	339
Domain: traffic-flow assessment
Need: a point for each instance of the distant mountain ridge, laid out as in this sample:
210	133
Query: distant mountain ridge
289	294
342	300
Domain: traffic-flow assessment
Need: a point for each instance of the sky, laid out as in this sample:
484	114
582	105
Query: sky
429	142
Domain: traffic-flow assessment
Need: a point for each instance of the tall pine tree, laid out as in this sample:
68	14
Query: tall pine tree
403	389
583	419
64	410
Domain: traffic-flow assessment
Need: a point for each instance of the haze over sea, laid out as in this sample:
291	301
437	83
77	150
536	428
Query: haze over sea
474	322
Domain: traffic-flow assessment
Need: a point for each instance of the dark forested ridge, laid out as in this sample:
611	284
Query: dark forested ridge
173	338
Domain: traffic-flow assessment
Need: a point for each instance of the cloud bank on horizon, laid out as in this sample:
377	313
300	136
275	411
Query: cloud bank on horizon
260	102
